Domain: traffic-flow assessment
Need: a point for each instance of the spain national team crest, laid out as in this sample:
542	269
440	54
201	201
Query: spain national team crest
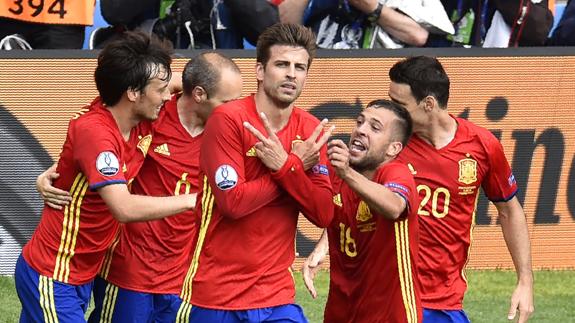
363	213
144	144
467	170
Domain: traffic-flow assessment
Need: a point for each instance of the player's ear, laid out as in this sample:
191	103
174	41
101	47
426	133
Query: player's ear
260	69
394	149
199	94
132	94
430	103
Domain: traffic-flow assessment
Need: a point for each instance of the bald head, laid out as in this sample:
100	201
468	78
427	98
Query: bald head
205	70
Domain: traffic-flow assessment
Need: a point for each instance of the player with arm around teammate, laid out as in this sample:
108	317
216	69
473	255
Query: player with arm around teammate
103	151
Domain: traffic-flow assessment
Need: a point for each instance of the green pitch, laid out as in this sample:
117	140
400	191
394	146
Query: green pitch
486	301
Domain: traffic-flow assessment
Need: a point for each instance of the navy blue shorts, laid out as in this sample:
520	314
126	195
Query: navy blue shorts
279	314
444	316
116	304
47	300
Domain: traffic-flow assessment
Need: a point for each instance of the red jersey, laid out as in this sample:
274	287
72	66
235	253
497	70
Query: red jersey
448	181
248	215
153	256
69	245
373	274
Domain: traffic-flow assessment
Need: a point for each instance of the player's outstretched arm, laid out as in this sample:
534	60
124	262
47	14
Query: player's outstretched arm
515	232
127	207
52	196
312	263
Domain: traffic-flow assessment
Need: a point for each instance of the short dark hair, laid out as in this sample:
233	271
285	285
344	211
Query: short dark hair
403	125
288	35
425	76
204	70
130	62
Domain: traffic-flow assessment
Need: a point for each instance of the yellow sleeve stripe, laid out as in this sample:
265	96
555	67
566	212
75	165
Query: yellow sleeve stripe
105	270
207	208
109	303
46	289
70	228
405	271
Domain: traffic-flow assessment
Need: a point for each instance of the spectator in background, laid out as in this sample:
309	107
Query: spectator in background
497	23
564	34
343	24
31	25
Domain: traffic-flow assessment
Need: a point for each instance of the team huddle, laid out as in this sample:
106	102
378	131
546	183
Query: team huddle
177	200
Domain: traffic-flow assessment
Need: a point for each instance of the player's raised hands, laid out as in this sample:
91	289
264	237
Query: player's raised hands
269	150
308	151
338	155
52	196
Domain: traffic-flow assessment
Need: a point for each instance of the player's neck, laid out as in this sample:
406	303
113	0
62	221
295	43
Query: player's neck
278	116
189	118
439	131
125	119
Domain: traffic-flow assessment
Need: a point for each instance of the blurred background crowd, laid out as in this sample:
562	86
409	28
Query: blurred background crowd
339	24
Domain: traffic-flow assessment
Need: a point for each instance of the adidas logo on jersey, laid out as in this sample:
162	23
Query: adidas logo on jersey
252	152
162	150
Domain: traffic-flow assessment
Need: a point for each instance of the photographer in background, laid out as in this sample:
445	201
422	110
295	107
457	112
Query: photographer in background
189	24
185	23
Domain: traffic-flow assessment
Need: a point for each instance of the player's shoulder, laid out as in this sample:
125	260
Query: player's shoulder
305	117
234	109
395	167
477	132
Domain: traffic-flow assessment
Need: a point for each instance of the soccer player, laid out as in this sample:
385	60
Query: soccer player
143	274
450	159
373	239
253	188
103	151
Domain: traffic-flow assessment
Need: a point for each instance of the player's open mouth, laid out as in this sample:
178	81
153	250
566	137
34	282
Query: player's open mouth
357	145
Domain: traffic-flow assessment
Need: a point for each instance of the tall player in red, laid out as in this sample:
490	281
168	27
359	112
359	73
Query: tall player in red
451	158
373	239
104	150
144	271
253	190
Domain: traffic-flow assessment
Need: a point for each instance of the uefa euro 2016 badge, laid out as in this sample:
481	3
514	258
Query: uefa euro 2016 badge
107	163
226	177
467	170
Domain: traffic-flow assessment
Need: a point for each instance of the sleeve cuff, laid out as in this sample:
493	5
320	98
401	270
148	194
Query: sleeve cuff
293	164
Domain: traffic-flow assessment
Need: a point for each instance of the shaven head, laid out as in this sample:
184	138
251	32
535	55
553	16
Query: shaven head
205	70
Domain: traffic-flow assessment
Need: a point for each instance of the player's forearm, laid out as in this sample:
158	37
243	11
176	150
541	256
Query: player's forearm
126	207
247	197
313	193
516	235
322	245
395	23
402	27
379	198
